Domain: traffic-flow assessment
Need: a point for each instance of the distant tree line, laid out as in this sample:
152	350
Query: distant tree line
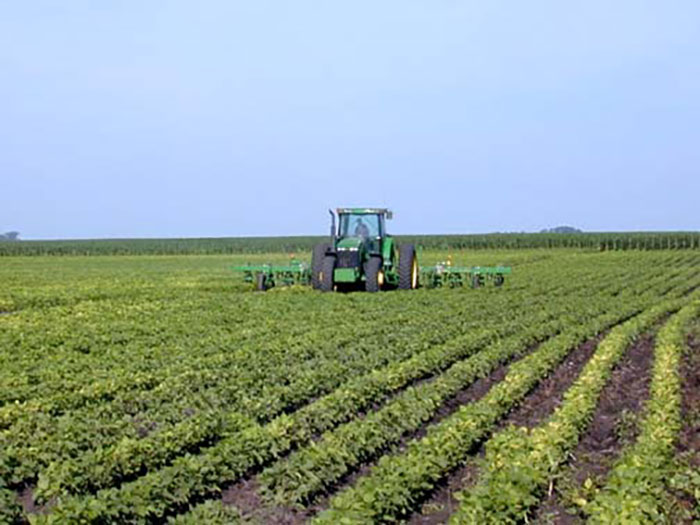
562	229
9	236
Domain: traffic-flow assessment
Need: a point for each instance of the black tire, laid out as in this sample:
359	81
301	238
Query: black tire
261	282
327	271
373	276
477	281
317	264
408	267
499	279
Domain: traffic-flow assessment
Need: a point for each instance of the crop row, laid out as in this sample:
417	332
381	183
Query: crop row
191	476
104	425
99	432
209	512
397	482
131	455
92	328
234	455
307	472
10	510
327	463
635	489
74	350
104	467
520	462
394	487
277	354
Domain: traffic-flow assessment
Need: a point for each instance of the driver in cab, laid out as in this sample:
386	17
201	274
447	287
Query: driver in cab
361	229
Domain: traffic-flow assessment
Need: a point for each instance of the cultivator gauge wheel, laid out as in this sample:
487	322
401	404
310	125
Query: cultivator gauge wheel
261	282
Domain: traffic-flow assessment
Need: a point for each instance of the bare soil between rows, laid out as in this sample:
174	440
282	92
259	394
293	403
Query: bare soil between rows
536	406
688	445
245	496
612	428
689	440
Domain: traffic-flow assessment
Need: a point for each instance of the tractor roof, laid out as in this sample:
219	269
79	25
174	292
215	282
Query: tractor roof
364	211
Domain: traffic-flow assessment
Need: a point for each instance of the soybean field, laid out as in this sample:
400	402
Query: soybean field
155	388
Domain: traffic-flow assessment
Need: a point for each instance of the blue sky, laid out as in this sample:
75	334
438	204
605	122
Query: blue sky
225	118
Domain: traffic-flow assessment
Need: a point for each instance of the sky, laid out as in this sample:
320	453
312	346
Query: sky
172	118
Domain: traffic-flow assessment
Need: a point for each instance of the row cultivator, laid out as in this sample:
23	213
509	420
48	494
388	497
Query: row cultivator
361	255
444	274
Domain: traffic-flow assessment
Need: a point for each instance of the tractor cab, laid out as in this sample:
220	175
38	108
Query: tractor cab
360	235
361	229
359	223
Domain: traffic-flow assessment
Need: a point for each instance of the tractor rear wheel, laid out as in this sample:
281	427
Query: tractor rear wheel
408	267
317	264
327	271
374	274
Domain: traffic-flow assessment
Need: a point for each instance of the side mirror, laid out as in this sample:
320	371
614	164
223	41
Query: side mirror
389	215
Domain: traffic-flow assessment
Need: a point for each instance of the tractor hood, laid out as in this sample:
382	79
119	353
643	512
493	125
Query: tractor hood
350	243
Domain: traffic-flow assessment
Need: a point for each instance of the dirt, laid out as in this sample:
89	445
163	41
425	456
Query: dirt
547	395
688	445
472	393
612	428
245	496
534	408
25	497
689	440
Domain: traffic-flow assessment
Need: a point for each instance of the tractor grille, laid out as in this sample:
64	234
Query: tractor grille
348	259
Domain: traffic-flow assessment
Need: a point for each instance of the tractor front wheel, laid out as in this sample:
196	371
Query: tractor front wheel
374	274
408	267
327	271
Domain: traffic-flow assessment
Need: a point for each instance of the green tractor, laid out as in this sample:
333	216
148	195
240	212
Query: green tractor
362	255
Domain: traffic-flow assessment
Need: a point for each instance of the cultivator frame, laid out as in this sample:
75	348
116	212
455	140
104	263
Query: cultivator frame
444	274
266	276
